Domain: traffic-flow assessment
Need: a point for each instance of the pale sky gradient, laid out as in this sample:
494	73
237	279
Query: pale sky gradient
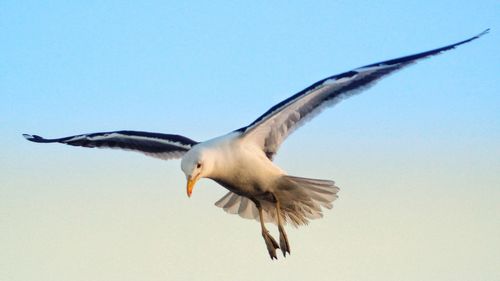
417	157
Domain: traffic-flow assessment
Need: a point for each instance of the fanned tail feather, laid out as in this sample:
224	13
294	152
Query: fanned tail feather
301	200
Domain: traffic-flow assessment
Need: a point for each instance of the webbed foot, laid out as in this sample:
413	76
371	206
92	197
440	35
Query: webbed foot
271	244
284	245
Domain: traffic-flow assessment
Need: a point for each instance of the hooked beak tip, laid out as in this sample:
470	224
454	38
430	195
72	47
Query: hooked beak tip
190	186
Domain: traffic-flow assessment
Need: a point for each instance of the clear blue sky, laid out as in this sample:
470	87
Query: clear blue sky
417	157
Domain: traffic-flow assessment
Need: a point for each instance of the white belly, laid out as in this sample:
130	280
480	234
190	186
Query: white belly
244	168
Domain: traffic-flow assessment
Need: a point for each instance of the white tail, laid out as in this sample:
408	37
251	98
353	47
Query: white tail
301	199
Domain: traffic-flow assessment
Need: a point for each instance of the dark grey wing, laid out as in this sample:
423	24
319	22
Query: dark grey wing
163	146
272	128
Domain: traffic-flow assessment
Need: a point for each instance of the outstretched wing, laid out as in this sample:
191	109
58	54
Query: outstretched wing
163	146
271	129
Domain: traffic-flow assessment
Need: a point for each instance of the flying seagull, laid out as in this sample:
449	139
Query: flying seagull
242	160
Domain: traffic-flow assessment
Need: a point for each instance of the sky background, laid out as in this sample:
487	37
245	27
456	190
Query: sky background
417	157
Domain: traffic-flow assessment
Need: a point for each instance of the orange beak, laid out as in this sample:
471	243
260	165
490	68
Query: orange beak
190	185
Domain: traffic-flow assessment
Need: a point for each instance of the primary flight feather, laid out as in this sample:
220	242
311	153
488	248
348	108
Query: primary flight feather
241	161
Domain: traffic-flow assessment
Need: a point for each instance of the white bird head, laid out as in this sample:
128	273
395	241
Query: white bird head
195	164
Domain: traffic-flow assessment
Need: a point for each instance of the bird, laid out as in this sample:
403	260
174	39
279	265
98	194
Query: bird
242	160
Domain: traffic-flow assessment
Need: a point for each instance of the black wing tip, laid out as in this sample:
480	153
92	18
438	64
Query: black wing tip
486	31
29	137
34	138
415	57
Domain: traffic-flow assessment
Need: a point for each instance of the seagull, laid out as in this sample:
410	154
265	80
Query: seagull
242	160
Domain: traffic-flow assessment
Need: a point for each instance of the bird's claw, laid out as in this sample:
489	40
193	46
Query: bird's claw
284	245
271	244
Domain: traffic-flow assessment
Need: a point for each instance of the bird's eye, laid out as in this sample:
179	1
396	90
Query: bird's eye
198	165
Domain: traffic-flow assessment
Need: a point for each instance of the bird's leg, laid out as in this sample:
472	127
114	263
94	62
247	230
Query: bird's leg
271	244
285	247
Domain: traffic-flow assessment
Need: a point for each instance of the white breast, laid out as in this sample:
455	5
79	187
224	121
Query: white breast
242	165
